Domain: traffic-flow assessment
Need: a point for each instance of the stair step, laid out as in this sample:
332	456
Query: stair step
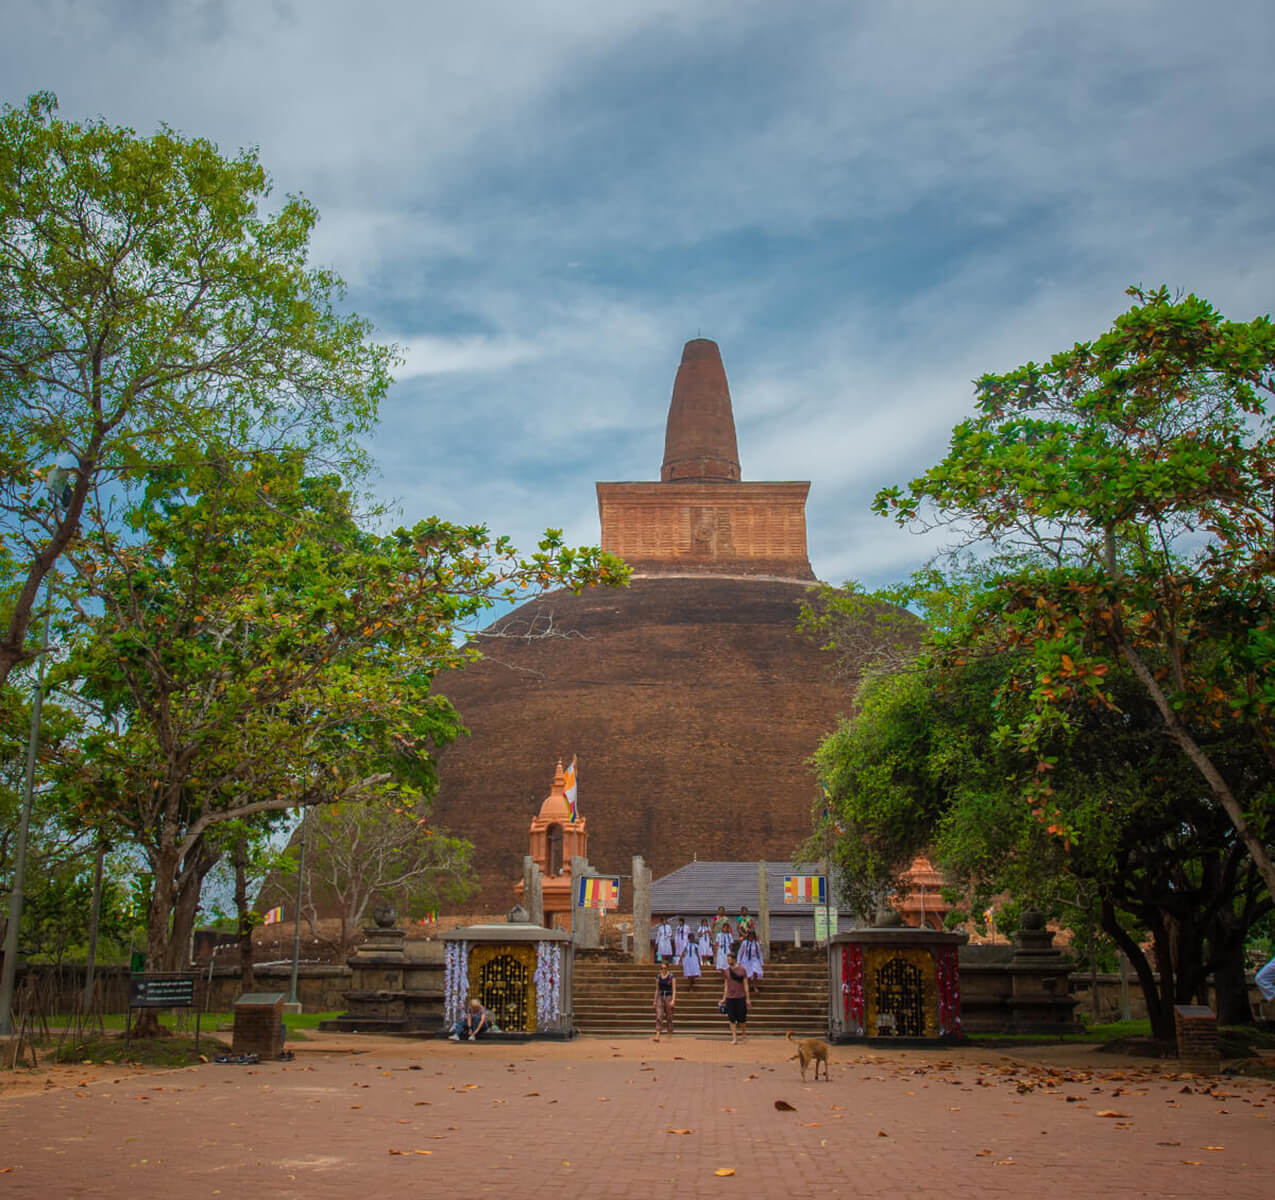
614	1000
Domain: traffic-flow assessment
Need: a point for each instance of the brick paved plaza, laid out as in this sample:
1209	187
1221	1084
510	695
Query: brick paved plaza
625	1118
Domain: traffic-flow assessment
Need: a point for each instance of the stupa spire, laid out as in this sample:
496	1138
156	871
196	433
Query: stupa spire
699	441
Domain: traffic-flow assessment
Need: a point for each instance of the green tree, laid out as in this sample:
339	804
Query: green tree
924	766
359	854
1127	489
149	309
251	649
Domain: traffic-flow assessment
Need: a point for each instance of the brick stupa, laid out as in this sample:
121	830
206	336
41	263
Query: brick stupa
689	698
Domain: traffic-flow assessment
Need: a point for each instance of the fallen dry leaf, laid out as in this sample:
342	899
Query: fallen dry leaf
1006	1162
1212	1147
810	1124
1168	1143
882	1133
784	1106
681	1131
1192	1162
724	1171
1109	1112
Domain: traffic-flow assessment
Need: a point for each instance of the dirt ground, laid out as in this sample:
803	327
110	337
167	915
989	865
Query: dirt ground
626	1117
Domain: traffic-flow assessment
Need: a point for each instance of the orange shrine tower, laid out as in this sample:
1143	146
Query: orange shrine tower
554	840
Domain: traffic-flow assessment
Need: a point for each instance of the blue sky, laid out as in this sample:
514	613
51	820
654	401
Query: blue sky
866	205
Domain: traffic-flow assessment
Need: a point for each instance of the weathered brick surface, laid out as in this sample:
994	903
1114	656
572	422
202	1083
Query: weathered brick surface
1198	1048
755	528
692	704
259	1029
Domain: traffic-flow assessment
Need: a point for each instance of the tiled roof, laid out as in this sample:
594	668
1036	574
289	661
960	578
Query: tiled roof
696	890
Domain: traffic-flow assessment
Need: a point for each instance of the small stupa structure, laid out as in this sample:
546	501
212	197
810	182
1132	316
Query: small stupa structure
921	904
555	838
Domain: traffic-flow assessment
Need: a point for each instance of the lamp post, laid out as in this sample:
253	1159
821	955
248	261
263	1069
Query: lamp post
296	930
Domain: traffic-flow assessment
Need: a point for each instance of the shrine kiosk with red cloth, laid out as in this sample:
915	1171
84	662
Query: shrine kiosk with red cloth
894	983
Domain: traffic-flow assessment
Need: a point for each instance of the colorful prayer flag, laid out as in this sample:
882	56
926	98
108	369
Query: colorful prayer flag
805	889
569	788
274	916
595	891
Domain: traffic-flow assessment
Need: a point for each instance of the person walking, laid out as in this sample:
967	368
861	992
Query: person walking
736	999
665	1000
1265	980
663	940
681	935
743	923
690	963
722	943
704	936
750	958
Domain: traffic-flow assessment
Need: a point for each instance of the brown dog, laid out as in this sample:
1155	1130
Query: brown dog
811	1049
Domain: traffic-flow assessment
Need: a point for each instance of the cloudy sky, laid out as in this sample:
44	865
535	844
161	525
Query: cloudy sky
866	204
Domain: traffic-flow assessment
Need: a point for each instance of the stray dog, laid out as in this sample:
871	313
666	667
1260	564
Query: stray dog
811	1049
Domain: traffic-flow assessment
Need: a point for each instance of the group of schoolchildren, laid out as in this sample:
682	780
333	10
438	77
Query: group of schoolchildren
733	949
712	942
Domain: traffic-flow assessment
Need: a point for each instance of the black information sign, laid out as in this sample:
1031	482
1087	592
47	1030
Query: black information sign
146	992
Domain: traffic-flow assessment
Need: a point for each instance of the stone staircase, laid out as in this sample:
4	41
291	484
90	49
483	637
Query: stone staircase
614	999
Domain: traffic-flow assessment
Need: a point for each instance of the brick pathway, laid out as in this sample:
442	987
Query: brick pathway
596	1118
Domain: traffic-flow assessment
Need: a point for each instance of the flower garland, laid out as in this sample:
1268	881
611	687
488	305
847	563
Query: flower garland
852	986
548	981
947	976
455	980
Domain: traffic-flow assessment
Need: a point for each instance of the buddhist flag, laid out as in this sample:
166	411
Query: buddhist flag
569	788
805	889
598	892
274	916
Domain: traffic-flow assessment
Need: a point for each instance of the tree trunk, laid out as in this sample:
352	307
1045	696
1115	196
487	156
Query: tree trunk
159	912
247	982
1220	789
1157	996
1226	946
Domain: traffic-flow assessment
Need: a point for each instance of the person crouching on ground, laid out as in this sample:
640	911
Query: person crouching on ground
474	1022
665	1000
735	997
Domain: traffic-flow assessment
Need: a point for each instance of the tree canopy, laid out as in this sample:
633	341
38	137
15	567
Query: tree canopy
250	649
148	310
1126	492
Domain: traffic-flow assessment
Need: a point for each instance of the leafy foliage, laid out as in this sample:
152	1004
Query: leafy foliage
1126	490
256	651
149	310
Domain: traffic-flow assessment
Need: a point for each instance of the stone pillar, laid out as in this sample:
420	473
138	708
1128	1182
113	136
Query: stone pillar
533	897
586	922
1196	1027
763	911
641	911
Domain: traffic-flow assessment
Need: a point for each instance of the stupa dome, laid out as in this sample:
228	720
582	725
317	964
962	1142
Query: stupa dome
689	699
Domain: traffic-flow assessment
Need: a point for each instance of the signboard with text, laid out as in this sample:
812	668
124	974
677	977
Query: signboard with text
170	991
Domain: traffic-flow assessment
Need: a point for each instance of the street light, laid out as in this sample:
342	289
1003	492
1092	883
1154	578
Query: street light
60	492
